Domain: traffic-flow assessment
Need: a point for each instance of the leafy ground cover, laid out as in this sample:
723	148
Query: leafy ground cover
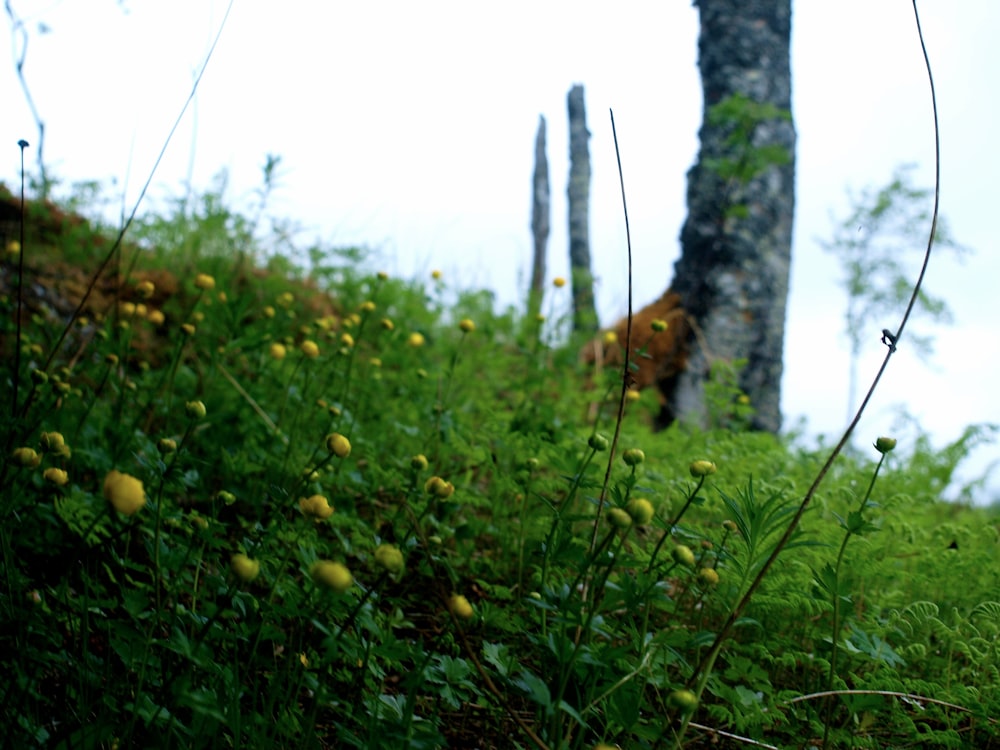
250	505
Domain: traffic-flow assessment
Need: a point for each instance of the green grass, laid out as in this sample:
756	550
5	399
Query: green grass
503	604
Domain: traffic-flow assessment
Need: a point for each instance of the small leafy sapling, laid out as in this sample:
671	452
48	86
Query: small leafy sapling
875	243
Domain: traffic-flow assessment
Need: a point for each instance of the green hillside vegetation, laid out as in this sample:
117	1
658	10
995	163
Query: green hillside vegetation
248	503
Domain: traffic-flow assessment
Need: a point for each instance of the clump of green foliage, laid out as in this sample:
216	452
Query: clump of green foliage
325	507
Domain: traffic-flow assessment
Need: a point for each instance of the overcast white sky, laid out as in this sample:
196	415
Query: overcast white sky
409	128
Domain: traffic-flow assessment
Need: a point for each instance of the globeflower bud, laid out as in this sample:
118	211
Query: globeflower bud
619	518
701	468
332	575
316	507
419	462
685	700
338	445
27	457
58	477
278	351
195	409
598	443
459	606
439	488
124	492
204	281
467	325
633	457
309	348
658	325
244	568
415	340
641	510
709	576
683	554
389	557
885	444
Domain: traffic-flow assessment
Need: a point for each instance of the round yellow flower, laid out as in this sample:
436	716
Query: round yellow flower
416	340
683	554
685	700
309	348
27	457
195	409
467	325
204	281
156	317
333	575
559	282
702	468
709	576
436	275
347	339
338	445
610	338
633	456
419	462
658	325
244	568
58	477
316	507
459	606
367	306
439	488
641	510
124	492
277	351
145	289
619	518
389	557
387	324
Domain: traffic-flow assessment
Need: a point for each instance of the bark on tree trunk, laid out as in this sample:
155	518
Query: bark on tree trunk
539	221
736	243
584	314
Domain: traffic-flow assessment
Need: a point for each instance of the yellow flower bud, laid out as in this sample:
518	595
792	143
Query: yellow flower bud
204	281
415	340
467	325
309	348
709	576
387	324
26	457
367	306
685	700
332	575
436	275
683	554
389	557
658	325
633	457
619	518
195	409
244	568
124	492
559	282
439	488
885	444
347	340
156	317
338	445
278	351
58	477
701	468
641	510
419	462
598	443
459	606
316	507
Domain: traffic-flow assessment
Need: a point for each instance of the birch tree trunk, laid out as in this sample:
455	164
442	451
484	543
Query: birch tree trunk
540	220
736	242
584	314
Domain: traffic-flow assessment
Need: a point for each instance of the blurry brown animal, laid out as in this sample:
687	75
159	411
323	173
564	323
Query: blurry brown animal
659	355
